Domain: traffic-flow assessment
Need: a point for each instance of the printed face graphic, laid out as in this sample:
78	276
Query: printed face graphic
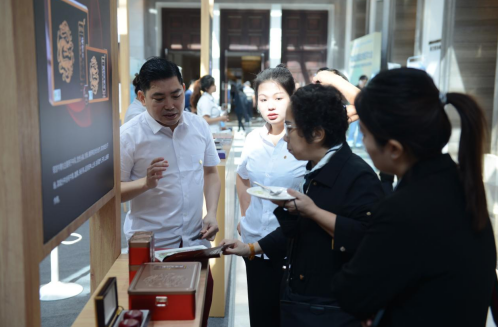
65	53
94	75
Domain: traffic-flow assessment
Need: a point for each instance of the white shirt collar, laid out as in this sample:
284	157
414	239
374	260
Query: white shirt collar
326	158
156	127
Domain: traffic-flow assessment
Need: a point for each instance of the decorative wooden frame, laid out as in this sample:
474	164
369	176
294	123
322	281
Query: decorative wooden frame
21	221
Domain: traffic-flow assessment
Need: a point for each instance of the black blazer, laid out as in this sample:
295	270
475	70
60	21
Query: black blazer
346	186
420	259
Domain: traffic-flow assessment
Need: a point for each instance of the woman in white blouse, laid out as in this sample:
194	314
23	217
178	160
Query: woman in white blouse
205	105
266	160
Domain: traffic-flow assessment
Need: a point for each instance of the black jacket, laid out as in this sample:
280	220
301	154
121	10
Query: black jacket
420	259
346	186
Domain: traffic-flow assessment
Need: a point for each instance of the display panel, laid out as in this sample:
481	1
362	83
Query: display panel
73	47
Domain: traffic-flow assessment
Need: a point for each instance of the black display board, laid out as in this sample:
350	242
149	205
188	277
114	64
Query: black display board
73	47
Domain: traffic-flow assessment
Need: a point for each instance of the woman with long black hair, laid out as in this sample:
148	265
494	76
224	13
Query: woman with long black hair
429	257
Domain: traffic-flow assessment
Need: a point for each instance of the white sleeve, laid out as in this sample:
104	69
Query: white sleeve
242	168
203	109
127	150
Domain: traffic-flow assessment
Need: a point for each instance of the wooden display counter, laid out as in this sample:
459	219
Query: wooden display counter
119	270
220	268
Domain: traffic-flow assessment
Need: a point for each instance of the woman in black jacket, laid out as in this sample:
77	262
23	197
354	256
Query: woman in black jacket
326	224
429	257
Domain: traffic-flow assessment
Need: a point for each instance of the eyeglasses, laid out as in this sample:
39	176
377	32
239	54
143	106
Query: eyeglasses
288	128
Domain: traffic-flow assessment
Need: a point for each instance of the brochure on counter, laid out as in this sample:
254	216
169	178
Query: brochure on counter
192	253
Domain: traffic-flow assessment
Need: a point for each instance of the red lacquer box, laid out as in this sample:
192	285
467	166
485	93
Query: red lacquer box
168	290
141	250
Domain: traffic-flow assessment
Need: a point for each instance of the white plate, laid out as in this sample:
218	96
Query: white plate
264	194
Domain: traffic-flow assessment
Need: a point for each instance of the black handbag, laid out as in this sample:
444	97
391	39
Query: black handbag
310	311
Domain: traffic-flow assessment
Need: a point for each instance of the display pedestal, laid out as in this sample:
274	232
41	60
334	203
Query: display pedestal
57	290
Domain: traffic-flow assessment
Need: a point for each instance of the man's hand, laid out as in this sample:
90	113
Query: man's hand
352	115
236	247
155	172
209	227
302	205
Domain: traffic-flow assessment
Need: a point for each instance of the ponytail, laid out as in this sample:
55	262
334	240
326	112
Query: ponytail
470	156
136	83
196	94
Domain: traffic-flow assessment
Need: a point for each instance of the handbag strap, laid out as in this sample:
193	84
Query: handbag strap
288	262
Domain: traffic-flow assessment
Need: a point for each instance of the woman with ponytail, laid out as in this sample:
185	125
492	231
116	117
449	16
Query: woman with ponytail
136	107
429	257
205	105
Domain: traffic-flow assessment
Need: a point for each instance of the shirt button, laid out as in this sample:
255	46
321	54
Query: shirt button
301	277
314	183
369	213
343	249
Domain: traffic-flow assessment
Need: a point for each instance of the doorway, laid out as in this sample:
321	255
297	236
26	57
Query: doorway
241	67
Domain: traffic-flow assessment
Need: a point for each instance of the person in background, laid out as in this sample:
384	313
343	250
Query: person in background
136	107
251	99
404	271
355	136
321	229
188	94
240	104
297	86
205	105
168	165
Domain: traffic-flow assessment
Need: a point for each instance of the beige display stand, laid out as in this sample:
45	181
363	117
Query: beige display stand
220	267
21	226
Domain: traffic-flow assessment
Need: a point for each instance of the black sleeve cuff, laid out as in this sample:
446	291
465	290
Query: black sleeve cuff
348	234
274	245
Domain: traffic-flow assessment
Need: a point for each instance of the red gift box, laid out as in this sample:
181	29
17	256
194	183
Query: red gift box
168	290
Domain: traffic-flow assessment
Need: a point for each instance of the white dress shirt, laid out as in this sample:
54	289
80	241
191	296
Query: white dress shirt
207	107
135	109
270	165
172	210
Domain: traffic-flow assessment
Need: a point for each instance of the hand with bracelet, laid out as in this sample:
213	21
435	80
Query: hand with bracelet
242	249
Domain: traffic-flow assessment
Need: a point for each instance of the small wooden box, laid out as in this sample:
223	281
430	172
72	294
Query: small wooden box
107	311
168	290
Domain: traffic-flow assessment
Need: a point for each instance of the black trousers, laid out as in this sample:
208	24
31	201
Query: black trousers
264	279
239	118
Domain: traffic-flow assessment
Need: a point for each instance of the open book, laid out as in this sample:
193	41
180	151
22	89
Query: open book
192	253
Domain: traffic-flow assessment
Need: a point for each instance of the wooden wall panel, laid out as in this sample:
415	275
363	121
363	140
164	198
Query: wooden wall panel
304	42
404	31
181	29
359	18
475	40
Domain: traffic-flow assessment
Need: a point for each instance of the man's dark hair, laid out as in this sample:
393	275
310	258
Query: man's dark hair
314	107
156	69
333	70
279	74
363	78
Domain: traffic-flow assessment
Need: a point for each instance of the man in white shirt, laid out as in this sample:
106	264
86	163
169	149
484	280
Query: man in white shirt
168	158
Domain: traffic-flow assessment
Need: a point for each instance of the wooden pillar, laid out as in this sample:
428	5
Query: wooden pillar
388	20
105	225
20	184
206	24
124	57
